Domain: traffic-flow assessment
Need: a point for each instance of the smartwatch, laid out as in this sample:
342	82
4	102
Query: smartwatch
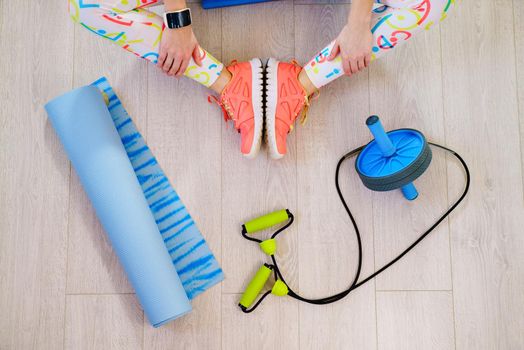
177	19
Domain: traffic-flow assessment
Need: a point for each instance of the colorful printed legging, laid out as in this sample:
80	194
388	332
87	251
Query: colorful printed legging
393	22
130	25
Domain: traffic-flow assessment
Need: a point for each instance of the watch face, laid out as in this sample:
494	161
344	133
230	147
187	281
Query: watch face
178	19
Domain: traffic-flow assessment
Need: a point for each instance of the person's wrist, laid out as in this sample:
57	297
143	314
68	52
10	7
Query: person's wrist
359	24
174	5
188	28
359	21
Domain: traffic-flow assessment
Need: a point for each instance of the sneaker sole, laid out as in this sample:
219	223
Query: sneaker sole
257	89
271	108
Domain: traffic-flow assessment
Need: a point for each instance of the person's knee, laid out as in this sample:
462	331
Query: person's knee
427	4
438	5
441	4
430	10
438	9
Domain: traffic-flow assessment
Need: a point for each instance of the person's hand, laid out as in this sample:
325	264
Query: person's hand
354	44
176	49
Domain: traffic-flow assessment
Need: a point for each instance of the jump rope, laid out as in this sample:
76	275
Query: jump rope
392	160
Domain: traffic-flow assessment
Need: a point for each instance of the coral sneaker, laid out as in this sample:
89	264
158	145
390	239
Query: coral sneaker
285	99
241	101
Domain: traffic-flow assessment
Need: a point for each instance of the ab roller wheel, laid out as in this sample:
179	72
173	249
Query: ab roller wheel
393	160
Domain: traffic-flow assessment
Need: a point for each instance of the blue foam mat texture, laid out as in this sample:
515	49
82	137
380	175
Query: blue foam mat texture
194	262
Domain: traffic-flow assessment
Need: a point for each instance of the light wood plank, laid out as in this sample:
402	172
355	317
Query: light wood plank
255	187
259	186
327	244
480	108
93	267
184	132
103	322
348	321
34	174
260	40
272	326
406	92
518	29
415	320
200	329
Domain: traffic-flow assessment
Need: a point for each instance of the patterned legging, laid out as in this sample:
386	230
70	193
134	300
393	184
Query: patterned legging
393	22
129	24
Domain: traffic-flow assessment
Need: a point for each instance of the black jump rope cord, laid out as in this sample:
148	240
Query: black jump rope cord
356	283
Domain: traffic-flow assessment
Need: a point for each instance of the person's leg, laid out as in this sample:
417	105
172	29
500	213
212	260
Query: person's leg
130	25
392	24
139	31
289	86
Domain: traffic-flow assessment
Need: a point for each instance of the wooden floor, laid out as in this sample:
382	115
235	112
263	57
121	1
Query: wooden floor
462	84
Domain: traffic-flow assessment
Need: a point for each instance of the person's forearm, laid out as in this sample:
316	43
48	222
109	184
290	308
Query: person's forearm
174	5
360	12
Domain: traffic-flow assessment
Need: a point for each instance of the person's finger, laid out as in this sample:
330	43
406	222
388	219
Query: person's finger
161	58
334	52
176	66
360	64
183	67
347	68
353	65
350	69
196	56
168	63
367	60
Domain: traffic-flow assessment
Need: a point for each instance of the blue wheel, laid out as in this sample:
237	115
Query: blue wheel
410	159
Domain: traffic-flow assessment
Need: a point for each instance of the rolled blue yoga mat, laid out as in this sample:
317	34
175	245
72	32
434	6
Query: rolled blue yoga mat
162	251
